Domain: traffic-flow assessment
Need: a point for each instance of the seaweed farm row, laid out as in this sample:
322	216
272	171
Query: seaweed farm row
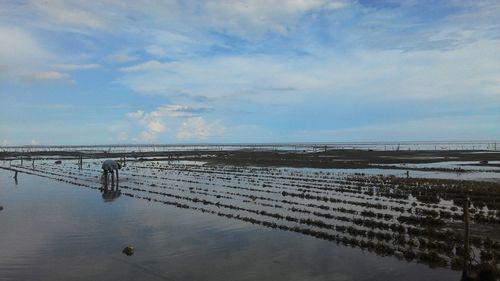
418	220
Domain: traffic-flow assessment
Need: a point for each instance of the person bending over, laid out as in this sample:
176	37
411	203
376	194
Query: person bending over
110	166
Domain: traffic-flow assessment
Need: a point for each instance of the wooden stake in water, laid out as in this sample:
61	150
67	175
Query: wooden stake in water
80	162
465	273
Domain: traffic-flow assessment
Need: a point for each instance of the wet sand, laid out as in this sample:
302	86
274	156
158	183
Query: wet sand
332	158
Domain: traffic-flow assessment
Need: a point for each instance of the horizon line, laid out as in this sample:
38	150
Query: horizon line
258	144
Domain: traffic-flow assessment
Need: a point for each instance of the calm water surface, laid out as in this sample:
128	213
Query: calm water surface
56	231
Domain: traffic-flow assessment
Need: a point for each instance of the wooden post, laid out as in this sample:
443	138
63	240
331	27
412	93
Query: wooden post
15	175
465	272
80	162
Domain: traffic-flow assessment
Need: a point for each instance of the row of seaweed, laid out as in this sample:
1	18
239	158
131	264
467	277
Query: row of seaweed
479	216
421	253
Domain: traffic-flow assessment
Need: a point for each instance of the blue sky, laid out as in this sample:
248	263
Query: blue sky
145	71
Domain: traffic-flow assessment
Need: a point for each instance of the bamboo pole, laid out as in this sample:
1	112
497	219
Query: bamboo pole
465	272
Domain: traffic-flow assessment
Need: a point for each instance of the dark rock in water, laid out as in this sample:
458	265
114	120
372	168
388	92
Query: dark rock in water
483	162
487	273
129	250
58	162
1	208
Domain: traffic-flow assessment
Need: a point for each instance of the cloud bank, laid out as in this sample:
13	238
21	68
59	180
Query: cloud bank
234	71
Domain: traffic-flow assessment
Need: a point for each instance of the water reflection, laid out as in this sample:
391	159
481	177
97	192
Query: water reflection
110	190
53	231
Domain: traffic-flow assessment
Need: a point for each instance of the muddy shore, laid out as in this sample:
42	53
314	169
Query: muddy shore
341	158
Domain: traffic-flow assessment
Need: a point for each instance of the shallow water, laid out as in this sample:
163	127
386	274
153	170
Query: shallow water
57	231
464	165
492	175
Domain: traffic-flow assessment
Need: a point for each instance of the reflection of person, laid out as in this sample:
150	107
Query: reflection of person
110	166
110	194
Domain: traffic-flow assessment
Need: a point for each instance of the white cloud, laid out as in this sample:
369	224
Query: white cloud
162	42
154	123
247	55
121	58
76	66
334	5
196	128
138	115
156	126
156	50
170	110
180	118
147	136
70	13
148	66
471	70
20	50
232	77
122	136
47	76
256	17
244	18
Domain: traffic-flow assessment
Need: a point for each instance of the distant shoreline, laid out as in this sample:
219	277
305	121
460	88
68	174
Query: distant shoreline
329	158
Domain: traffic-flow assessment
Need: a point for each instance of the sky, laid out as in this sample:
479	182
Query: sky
213	71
